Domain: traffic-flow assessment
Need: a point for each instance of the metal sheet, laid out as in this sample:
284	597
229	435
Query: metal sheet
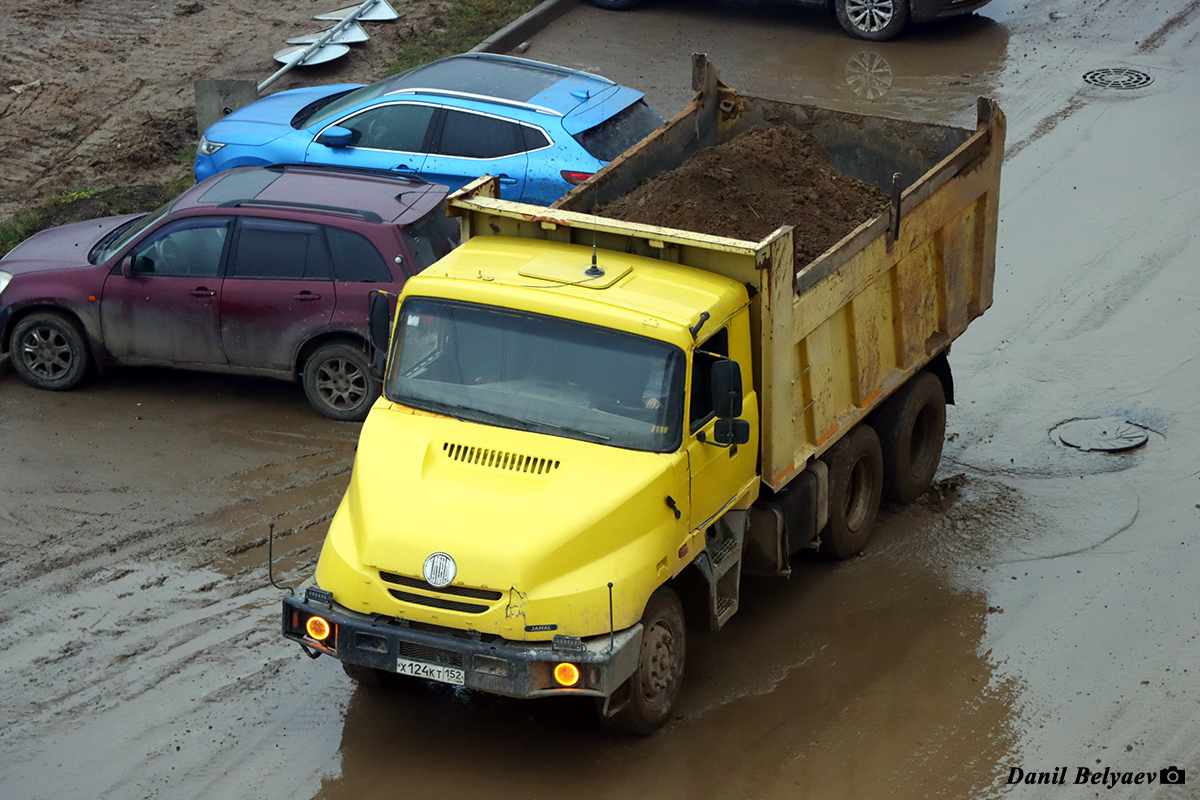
379	12
329	52
351	34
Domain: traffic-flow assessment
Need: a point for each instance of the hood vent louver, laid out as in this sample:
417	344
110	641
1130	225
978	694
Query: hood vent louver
499	459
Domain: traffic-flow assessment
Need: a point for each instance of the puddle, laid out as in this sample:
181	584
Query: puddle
856	680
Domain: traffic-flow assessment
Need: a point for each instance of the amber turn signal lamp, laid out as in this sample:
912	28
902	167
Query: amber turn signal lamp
566	674
318	628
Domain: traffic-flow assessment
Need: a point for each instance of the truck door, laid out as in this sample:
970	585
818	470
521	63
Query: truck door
717	473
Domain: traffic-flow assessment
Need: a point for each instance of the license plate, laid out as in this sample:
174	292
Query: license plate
434	672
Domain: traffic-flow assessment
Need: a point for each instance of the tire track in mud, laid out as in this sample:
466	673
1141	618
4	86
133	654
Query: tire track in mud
108	93
144	631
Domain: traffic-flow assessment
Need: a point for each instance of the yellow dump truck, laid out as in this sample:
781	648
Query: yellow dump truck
590	429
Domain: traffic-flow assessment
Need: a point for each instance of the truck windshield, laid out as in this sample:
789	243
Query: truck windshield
537	373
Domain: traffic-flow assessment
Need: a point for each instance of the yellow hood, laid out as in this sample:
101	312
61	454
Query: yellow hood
537	526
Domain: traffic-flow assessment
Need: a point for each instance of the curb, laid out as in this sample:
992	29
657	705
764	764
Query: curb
524	26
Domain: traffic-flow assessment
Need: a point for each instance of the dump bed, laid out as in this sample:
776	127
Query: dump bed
836	336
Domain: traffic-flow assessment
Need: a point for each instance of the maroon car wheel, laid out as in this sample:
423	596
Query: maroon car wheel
338	382
49	351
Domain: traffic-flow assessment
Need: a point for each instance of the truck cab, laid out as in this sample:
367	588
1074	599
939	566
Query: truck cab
554	440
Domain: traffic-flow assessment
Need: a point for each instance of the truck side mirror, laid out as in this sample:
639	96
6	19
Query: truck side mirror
378	330
731	431
727	389
337	136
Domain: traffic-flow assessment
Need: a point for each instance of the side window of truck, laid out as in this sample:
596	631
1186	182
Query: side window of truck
703	358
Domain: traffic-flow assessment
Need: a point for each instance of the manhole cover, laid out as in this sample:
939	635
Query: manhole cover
1110	435
1118	78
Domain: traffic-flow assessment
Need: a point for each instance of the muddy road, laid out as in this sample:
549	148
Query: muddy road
1038	610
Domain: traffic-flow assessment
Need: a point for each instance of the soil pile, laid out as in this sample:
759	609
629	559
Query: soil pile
752	184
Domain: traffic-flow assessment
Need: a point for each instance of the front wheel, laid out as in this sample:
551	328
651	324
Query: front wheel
338	382
653	689
49	351
872	20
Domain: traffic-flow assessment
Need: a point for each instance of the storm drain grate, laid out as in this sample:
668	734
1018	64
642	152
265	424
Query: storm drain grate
1118	78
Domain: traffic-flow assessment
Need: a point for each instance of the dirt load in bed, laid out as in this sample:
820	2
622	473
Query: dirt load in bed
753	184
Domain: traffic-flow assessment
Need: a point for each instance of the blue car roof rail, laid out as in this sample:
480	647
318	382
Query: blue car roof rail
336	168
544	65
487	98
368	216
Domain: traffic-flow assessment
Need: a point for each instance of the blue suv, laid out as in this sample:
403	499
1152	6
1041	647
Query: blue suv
539	128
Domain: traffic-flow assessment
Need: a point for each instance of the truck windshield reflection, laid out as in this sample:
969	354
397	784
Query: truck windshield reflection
538	373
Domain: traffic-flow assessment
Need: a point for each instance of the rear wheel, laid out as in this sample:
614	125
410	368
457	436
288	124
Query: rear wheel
49	351
653	689
338	382
912	427
855	484
873	20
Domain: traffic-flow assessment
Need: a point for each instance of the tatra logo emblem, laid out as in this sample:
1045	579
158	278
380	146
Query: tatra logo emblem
439	570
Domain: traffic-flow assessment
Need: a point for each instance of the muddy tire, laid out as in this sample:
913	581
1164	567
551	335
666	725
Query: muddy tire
651	692
49	351
338	383
367	676
872	20
912	427
855	485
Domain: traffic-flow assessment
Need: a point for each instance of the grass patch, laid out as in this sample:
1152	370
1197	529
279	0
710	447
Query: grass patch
86	204
466	24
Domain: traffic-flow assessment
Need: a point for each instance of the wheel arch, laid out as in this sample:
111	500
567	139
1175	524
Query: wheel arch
21	313
691	586
328	337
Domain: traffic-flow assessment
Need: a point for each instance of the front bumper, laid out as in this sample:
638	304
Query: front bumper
489	664
5	314
930	10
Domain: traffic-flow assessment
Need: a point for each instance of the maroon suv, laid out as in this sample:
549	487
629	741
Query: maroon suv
258	270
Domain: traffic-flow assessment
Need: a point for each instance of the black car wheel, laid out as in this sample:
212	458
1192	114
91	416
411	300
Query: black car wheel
49	351
873	20
338	382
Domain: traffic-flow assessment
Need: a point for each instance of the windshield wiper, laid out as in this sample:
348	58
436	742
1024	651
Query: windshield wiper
596	437
469	414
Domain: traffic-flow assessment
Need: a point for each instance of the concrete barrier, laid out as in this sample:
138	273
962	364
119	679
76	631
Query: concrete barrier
524	26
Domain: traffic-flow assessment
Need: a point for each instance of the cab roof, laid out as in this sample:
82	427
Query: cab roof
370	194
502	270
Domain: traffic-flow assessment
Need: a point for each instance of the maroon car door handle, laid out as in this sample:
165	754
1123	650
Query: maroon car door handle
307	296
201	291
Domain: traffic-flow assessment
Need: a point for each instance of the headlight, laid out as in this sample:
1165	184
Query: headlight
207	148
5	277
